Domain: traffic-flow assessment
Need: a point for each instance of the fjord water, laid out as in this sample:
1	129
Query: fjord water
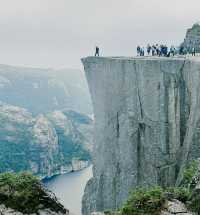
69	188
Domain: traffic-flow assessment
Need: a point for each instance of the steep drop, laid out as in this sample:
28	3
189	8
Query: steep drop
146	124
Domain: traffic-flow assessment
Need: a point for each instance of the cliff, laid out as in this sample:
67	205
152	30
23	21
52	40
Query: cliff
146	124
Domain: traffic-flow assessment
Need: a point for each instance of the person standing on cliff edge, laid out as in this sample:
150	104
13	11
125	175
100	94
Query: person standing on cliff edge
97	51
193	51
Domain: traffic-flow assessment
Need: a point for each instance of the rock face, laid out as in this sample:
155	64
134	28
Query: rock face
147	121
49	144
175	207
192	39
8	211
75	140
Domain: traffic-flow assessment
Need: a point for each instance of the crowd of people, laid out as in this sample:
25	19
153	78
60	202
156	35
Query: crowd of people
163	50
159	50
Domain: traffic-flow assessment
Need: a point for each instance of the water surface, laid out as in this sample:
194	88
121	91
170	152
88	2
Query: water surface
69	188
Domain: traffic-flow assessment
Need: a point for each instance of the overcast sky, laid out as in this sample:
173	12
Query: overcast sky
57	33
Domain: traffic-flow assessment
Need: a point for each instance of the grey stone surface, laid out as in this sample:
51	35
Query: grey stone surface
175	207
192	39
171	208
8	211
147	123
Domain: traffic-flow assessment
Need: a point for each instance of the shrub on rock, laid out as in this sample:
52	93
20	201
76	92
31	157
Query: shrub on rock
24	193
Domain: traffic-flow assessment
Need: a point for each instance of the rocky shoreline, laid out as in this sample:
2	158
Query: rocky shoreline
74	167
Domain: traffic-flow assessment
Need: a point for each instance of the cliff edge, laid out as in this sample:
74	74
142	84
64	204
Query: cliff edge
147	123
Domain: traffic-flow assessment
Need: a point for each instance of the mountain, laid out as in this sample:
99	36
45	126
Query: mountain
77	126
46	144
147	123
44	90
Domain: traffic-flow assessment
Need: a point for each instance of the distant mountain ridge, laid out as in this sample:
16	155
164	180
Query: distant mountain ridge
48	144
44	90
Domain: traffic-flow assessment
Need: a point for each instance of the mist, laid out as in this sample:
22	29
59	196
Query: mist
57	33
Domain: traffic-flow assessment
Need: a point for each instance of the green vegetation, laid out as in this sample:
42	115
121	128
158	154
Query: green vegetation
150	201
144	202
182	194
22	148
194	203
108	212
71	148
23	192
193	179
189	173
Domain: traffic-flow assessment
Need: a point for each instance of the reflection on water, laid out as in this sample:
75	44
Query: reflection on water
69	188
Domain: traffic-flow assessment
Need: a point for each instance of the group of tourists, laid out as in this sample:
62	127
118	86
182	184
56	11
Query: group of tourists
164	50
159	50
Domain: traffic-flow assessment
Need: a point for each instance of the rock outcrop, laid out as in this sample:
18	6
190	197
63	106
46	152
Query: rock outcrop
8	211
176	207
192	39
173	207
147	121
23	193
